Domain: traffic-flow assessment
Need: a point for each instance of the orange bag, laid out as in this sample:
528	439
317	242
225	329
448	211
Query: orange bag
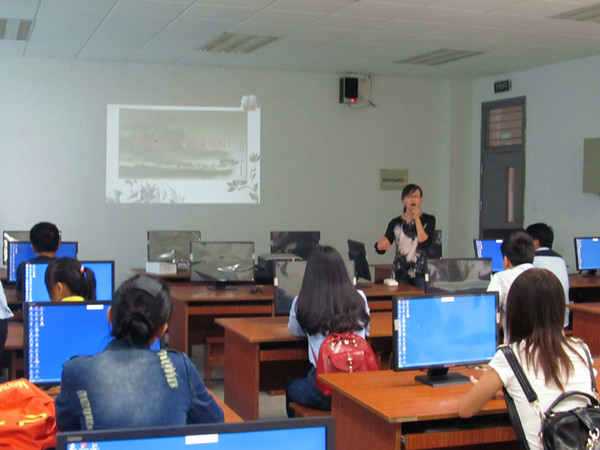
27	419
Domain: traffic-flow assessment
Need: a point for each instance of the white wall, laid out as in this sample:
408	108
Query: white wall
320	160
562	108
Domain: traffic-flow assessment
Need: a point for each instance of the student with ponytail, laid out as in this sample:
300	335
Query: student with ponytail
129	385
68	281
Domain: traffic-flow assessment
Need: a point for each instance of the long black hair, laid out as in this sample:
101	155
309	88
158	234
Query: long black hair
78	279
140	307
328	301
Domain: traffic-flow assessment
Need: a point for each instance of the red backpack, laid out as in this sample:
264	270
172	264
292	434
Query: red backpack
344	352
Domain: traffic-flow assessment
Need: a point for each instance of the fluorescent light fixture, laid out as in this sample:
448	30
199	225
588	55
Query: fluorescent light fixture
589	13
15	29
438	57
237	43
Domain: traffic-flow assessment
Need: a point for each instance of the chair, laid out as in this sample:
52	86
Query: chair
303	411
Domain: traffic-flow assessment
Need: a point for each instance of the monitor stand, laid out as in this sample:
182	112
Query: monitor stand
441	377
590	273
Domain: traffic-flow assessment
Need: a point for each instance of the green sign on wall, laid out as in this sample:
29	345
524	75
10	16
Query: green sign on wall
392	179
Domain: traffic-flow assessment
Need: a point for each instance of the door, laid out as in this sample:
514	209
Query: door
502	181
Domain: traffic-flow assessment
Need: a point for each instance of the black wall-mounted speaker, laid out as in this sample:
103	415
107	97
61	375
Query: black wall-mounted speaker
348	90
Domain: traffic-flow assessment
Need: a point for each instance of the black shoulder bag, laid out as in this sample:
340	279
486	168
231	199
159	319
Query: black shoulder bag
578	428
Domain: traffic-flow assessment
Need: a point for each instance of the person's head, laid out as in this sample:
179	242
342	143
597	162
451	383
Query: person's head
535	305
412	195
328	301
66	277
542	235
535	311
140	310
44	237
518	249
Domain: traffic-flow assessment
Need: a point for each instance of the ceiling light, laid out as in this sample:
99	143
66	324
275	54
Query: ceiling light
438	57
15	29
237	43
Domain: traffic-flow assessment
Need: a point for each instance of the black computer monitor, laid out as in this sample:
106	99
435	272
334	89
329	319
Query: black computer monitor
224	264
358	254
587	254
22	251
458	275
490	248
288	282
315	433
55	331
435	332
172	246
299	243
12	236
35	290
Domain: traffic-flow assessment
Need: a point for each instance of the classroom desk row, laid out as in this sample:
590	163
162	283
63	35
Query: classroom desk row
383	410
196	307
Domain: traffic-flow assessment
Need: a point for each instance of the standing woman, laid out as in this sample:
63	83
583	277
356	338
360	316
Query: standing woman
327	302
412	233
128	385
553	362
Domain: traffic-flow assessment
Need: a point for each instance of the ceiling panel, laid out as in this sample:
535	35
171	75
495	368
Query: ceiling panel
334	36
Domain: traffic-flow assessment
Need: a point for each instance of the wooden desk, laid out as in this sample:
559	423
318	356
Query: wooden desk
584	288
390	410
376	409
195	306
181	275
3	274
14	346
379	296
252	341
11	296
586	324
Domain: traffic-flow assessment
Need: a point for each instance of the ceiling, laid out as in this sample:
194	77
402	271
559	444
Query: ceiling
332	36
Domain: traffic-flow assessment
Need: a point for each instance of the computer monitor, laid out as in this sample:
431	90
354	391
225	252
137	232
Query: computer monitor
434	333
587	254
54	332
22	251
314	433
288	282
224	264
12	236
490	248
299	243
35	290
171	246
358	254
457	275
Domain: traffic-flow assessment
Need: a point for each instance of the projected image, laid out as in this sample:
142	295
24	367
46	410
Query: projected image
159	154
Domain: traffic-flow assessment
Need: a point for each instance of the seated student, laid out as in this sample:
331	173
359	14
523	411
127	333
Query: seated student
327	302
45	240
129	385
68	281
517	257
546	258
5	314
552	362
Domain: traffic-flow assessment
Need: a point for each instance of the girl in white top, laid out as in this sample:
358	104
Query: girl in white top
328	302
552	362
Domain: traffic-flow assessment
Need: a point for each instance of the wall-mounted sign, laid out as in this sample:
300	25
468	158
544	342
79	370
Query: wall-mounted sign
392	179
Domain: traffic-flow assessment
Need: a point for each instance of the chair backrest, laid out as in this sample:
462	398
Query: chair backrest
435	249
